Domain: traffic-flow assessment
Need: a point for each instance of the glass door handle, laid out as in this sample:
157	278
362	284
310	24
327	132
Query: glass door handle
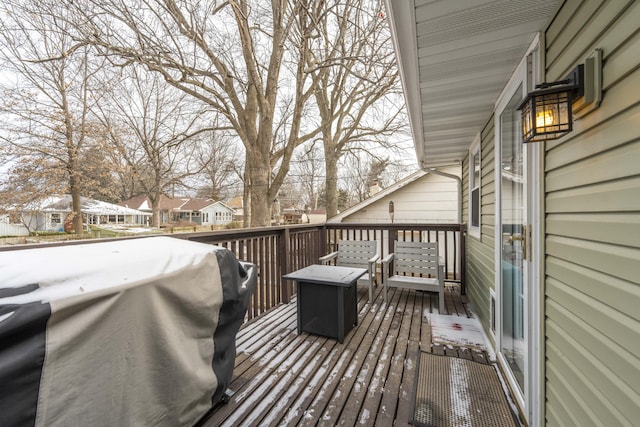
523	238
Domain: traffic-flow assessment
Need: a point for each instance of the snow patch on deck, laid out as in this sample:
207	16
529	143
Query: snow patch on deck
458	331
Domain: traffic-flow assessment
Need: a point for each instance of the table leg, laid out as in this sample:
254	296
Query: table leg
340	292
299	305
355	302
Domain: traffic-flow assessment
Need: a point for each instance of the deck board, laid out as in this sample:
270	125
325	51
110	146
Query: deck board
285	379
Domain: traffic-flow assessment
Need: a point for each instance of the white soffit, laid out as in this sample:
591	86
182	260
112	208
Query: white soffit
455	57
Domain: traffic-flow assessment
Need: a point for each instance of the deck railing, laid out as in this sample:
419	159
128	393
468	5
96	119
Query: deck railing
275	250
280	250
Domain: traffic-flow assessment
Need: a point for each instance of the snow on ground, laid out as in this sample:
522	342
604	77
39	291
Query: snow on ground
127	228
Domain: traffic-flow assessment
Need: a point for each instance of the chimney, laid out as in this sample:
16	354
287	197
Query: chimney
375	188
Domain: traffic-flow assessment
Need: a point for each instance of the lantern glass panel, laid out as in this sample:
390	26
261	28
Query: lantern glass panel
546	116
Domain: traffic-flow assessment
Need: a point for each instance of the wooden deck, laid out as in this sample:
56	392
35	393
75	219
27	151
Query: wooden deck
285	379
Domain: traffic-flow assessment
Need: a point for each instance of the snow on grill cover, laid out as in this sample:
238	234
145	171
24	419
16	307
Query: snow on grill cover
132	332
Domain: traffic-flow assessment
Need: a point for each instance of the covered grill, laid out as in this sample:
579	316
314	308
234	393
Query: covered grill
132	332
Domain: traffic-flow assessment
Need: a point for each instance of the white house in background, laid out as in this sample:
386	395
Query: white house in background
49	213
210	212
196	211
424	197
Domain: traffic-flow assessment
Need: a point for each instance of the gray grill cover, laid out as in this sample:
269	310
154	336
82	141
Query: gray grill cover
133	332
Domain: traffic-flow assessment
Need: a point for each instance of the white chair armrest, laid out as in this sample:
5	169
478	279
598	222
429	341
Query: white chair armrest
372	268
325	259
388	258
385	269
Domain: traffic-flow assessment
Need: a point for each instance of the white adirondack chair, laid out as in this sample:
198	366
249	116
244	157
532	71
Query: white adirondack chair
357	254
415	266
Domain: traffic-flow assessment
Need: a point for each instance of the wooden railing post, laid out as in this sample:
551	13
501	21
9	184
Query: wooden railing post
393	236
322	241
284	251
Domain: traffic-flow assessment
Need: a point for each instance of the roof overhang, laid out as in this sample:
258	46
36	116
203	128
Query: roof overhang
455	57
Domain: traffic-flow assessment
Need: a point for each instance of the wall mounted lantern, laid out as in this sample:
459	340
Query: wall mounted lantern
547	111
391	210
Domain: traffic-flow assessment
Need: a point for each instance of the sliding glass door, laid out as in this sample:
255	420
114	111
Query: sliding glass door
513	248
519	176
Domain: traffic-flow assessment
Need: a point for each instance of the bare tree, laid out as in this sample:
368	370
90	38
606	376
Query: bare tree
358	86
129	180
48	91
376	172
237	56
354	178
217	154
309	174
28	179
155	131
98	172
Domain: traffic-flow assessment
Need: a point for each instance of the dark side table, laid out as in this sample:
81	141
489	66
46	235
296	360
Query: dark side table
327	299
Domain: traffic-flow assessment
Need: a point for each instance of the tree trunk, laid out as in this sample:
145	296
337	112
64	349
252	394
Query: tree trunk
155	212
154	198
260	198
76	205
331	181
246	194
72	169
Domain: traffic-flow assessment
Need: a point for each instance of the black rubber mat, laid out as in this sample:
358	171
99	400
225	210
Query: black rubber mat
451	391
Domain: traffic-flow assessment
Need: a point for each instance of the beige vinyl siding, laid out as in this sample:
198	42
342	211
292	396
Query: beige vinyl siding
592	198
480	253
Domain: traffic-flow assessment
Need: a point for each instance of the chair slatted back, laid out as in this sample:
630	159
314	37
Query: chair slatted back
416	258
355	253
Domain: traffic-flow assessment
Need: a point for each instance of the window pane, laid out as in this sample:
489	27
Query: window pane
475	207
476	170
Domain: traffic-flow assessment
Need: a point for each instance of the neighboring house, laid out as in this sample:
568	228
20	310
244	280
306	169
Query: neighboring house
553	246
317	216
218	214
294	216
288	215
49	213
420	197
166	206
196	211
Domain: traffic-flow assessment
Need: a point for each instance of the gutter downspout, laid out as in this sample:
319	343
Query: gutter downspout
448	175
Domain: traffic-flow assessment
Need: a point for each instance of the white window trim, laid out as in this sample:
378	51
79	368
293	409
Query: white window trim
475	150
493	320
58	217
